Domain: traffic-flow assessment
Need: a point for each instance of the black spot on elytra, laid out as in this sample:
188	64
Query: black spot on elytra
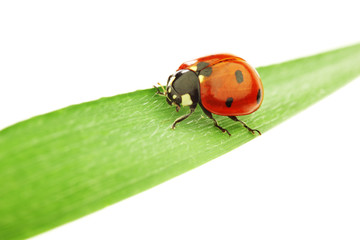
229	101
258	97
206	72
239	76
201	65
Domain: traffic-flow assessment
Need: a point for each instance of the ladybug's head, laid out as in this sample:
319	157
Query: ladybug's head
182	88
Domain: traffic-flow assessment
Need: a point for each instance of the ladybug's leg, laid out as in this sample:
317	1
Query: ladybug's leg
209	114
244	124
192	109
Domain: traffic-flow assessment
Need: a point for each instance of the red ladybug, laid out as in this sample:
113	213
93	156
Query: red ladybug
222	84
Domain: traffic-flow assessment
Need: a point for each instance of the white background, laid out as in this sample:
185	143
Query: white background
299	180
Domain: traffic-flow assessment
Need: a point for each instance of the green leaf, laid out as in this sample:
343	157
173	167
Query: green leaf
60	166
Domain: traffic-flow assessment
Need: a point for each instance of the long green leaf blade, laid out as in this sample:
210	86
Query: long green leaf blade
60	166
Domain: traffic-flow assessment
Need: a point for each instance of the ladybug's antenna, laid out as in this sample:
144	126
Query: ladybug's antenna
162	88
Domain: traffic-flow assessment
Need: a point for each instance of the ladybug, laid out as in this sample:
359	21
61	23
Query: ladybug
221	84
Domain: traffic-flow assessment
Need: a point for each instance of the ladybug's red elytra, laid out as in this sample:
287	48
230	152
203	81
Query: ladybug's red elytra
222	84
